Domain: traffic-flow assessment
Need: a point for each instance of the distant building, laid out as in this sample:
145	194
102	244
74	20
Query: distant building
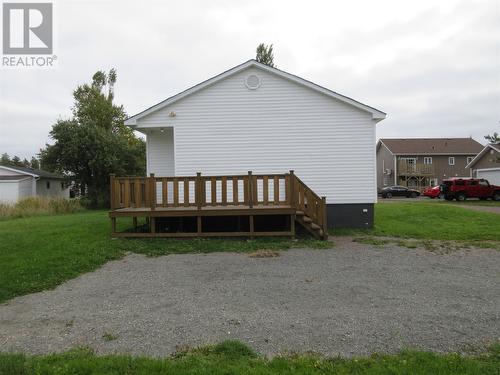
421	162
18	182
487	164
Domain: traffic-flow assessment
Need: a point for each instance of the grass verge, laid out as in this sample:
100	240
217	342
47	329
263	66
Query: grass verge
233	357
39	253
430	221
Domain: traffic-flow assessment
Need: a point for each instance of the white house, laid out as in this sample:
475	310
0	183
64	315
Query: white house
487	164
255	117
17	183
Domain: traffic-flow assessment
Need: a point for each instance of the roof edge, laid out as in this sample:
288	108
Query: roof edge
376	114
14	169
481	154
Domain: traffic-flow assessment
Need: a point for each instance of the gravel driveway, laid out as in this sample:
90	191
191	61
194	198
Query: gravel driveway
354	299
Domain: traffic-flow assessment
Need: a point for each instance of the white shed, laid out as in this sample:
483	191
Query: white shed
18	182
255	117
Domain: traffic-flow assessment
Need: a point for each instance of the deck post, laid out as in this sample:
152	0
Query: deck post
324	213
112	198
113	226
292	225
152	224
152	191
198	225
134	223
250	190
292	189
252	230
198	190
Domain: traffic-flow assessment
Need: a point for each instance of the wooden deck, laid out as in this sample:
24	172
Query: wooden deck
249	196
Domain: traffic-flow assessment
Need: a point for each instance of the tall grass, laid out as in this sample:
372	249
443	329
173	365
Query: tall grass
36	206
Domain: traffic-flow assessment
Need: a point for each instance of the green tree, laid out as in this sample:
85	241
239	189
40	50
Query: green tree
34	163
265	55
16	160
94	142
493	138
5	160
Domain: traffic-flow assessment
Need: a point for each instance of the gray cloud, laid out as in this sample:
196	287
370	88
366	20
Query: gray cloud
434	67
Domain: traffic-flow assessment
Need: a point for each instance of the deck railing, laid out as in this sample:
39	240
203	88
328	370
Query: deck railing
214	191
414	169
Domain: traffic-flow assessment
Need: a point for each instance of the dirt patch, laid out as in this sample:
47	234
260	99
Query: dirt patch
264	254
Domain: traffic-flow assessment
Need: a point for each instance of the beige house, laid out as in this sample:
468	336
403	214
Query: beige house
487	164
18	182
422	162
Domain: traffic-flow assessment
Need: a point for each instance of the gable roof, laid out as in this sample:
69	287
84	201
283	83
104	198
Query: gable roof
478	157
32	172
432	146
377	114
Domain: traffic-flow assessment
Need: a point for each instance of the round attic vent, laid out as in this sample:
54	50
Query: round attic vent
252	82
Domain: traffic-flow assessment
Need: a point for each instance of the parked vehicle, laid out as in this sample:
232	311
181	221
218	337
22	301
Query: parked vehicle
399	191
433	192
463	188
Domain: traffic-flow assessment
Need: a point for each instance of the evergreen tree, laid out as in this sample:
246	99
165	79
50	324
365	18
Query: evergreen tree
265	55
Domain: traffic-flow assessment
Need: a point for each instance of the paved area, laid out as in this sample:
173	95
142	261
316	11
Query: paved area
353	299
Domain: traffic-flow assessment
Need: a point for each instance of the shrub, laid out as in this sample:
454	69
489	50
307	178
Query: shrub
34	206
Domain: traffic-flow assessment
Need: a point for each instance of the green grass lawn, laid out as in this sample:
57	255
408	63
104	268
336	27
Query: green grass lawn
431	221
232	357
39	253
471	202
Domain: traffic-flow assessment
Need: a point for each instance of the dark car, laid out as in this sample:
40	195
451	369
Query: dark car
399	191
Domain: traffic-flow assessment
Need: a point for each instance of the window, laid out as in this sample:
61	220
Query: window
460	182
451	160
48	185
469	159
428	160
473	183
484	183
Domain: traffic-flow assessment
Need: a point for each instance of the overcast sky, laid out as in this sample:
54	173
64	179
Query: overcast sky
433	66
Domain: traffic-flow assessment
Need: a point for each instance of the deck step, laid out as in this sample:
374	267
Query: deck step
299	213
315	226
307	219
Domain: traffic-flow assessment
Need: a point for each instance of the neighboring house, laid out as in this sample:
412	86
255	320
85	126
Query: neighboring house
487	164
421	162
255	117
19	182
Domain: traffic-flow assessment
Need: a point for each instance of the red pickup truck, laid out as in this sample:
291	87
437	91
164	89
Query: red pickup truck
463	188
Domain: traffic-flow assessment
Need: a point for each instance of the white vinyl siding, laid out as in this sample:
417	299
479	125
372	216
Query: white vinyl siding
228	129
9	191
51	188
160	152
26	188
